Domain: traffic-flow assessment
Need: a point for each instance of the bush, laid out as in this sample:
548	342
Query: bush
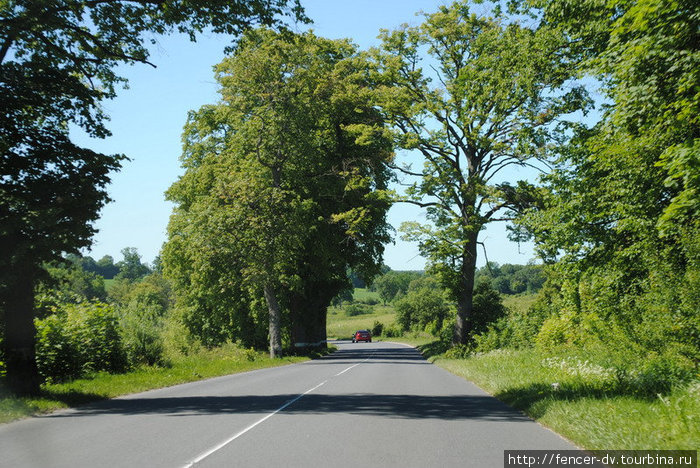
370	301
142	334
78	339
458	352
177	338
56	356
357	309
393	331
377	328
488	308
424	303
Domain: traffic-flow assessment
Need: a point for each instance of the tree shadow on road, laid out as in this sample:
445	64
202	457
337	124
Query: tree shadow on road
453	407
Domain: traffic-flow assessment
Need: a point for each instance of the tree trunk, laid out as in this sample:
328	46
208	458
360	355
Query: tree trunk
309	314
465	298
20	334
275	315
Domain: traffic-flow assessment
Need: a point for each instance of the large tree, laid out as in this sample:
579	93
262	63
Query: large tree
285	189
57	64
488	95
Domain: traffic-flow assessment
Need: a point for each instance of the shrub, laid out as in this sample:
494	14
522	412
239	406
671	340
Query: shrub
370	301
141	328
357	309
493	338
56	356
177	339
99	344
78	339
424	303
488	308
447	331
377	328
393	331
458	352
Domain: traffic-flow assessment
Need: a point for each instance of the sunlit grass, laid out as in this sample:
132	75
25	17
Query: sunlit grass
585	409
340	326
520	302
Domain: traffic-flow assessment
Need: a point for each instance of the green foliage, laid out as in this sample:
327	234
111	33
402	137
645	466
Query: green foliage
285	190
393	331
423	304
377	328
131	268
495	94
57	356
512	279
73	281
620	218
488	308
458	352
142	333
79	339
104	267
353	310
58	62
392	284
343	296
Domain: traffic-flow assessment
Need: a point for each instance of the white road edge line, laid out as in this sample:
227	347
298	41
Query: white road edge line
240	433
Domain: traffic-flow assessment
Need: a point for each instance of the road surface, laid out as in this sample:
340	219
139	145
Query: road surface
369	404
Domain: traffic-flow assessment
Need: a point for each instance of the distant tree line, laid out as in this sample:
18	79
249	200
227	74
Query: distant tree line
512	279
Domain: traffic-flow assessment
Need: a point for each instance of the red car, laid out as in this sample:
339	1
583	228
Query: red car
362	335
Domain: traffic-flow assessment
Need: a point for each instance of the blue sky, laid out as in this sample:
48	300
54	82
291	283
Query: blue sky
147	121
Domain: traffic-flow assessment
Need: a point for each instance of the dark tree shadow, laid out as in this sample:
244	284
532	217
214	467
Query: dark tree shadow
453	407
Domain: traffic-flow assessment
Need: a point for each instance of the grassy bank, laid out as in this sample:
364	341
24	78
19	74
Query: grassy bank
204	364
578	400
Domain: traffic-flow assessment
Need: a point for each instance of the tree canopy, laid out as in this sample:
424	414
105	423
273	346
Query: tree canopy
492	94
620	218
57	64
284	190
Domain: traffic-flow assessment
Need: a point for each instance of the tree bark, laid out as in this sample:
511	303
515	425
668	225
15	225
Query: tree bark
275	318
309	314
465	298
22	376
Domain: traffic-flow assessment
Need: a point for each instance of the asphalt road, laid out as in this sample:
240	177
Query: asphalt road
369	404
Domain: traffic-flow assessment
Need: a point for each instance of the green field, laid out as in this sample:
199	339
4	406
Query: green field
342	326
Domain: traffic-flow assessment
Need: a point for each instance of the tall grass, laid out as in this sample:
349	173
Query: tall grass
581	401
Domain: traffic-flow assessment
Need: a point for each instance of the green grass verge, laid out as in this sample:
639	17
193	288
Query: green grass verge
582	406
204	364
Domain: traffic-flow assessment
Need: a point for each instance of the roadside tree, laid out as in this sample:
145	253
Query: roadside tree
492	95
284	191
57	64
